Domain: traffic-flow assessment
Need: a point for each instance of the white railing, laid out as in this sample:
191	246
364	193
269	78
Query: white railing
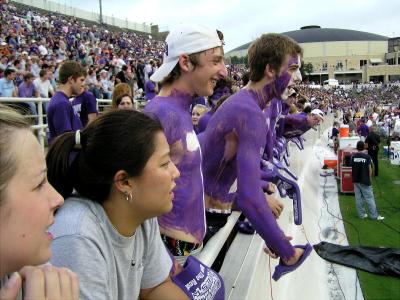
215	244
40	126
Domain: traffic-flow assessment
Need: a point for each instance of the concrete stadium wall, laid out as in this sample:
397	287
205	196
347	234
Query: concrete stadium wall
349	53
85	15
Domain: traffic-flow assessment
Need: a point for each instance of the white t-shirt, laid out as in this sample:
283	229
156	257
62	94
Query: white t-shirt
43	50
108	265
44	87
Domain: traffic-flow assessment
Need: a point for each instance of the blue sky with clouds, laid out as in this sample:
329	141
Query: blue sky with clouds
243	20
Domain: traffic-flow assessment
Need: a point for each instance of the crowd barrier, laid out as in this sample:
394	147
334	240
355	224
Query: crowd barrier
39	124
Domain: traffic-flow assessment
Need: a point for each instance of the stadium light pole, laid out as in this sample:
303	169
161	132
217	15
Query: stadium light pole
101	12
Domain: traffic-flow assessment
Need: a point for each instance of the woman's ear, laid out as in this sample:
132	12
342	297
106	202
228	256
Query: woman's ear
123	182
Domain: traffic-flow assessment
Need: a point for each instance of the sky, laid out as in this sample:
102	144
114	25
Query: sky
242	21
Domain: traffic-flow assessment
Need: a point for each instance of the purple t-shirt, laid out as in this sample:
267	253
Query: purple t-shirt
149	89
188	213
83	105
26	91
363	130
61	116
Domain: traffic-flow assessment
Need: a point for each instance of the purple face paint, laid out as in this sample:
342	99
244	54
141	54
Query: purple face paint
282	82
218	93
274	110
232	146
187	214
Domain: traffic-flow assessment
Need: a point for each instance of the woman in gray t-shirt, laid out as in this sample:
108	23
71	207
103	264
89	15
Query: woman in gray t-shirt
118	177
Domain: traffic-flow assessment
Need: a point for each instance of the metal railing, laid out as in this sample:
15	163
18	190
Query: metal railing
40	126
211	250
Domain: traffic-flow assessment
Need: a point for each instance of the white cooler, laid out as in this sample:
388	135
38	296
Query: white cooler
348	142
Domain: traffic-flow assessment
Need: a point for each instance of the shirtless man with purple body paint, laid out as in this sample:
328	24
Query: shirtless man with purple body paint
234	142
277	109
273	113
193	63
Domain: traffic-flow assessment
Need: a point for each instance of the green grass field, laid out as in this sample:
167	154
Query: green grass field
377	233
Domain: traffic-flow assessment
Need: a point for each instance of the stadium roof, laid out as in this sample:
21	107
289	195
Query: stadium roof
315	34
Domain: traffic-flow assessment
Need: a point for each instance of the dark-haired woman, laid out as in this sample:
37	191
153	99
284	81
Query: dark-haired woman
118	176
125	101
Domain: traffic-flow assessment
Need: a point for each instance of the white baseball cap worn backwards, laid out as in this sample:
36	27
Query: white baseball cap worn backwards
185	40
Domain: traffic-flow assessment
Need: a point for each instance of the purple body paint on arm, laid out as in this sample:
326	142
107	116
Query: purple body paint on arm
295	125
188	213
232	147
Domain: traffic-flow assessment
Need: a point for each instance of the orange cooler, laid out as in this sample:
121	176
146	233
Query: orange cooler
344	131
331	162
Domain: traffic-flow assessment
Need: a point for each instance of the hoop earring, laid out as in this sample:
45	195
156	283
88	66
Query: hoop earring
128	197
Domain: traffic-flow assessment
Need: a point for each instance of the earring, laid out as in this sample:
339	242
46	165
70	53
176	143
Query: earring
128	197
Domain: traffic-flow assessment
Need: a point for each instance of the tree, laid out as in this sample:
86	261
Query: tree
234	60
306	69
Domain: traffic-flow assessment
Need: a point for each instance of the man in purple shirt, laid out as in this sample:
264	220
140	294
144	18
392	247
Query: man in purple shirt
60	115
192	65
28	90
363	129
150	89
85	106
234	141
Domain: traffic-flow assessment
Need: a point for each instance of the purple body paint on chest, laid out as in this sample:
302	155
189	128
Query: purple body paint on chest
232	147
187	214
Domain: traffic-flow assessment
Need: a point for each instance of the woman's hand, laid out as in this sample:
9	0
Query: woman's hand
42	282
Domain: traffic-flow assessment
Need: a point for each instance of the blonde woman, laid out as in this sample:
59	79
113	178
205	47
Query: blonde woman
197	112
27	206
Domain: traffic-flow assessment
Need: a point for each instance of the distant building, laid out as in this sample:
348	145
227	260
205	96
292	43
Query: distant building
345	55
